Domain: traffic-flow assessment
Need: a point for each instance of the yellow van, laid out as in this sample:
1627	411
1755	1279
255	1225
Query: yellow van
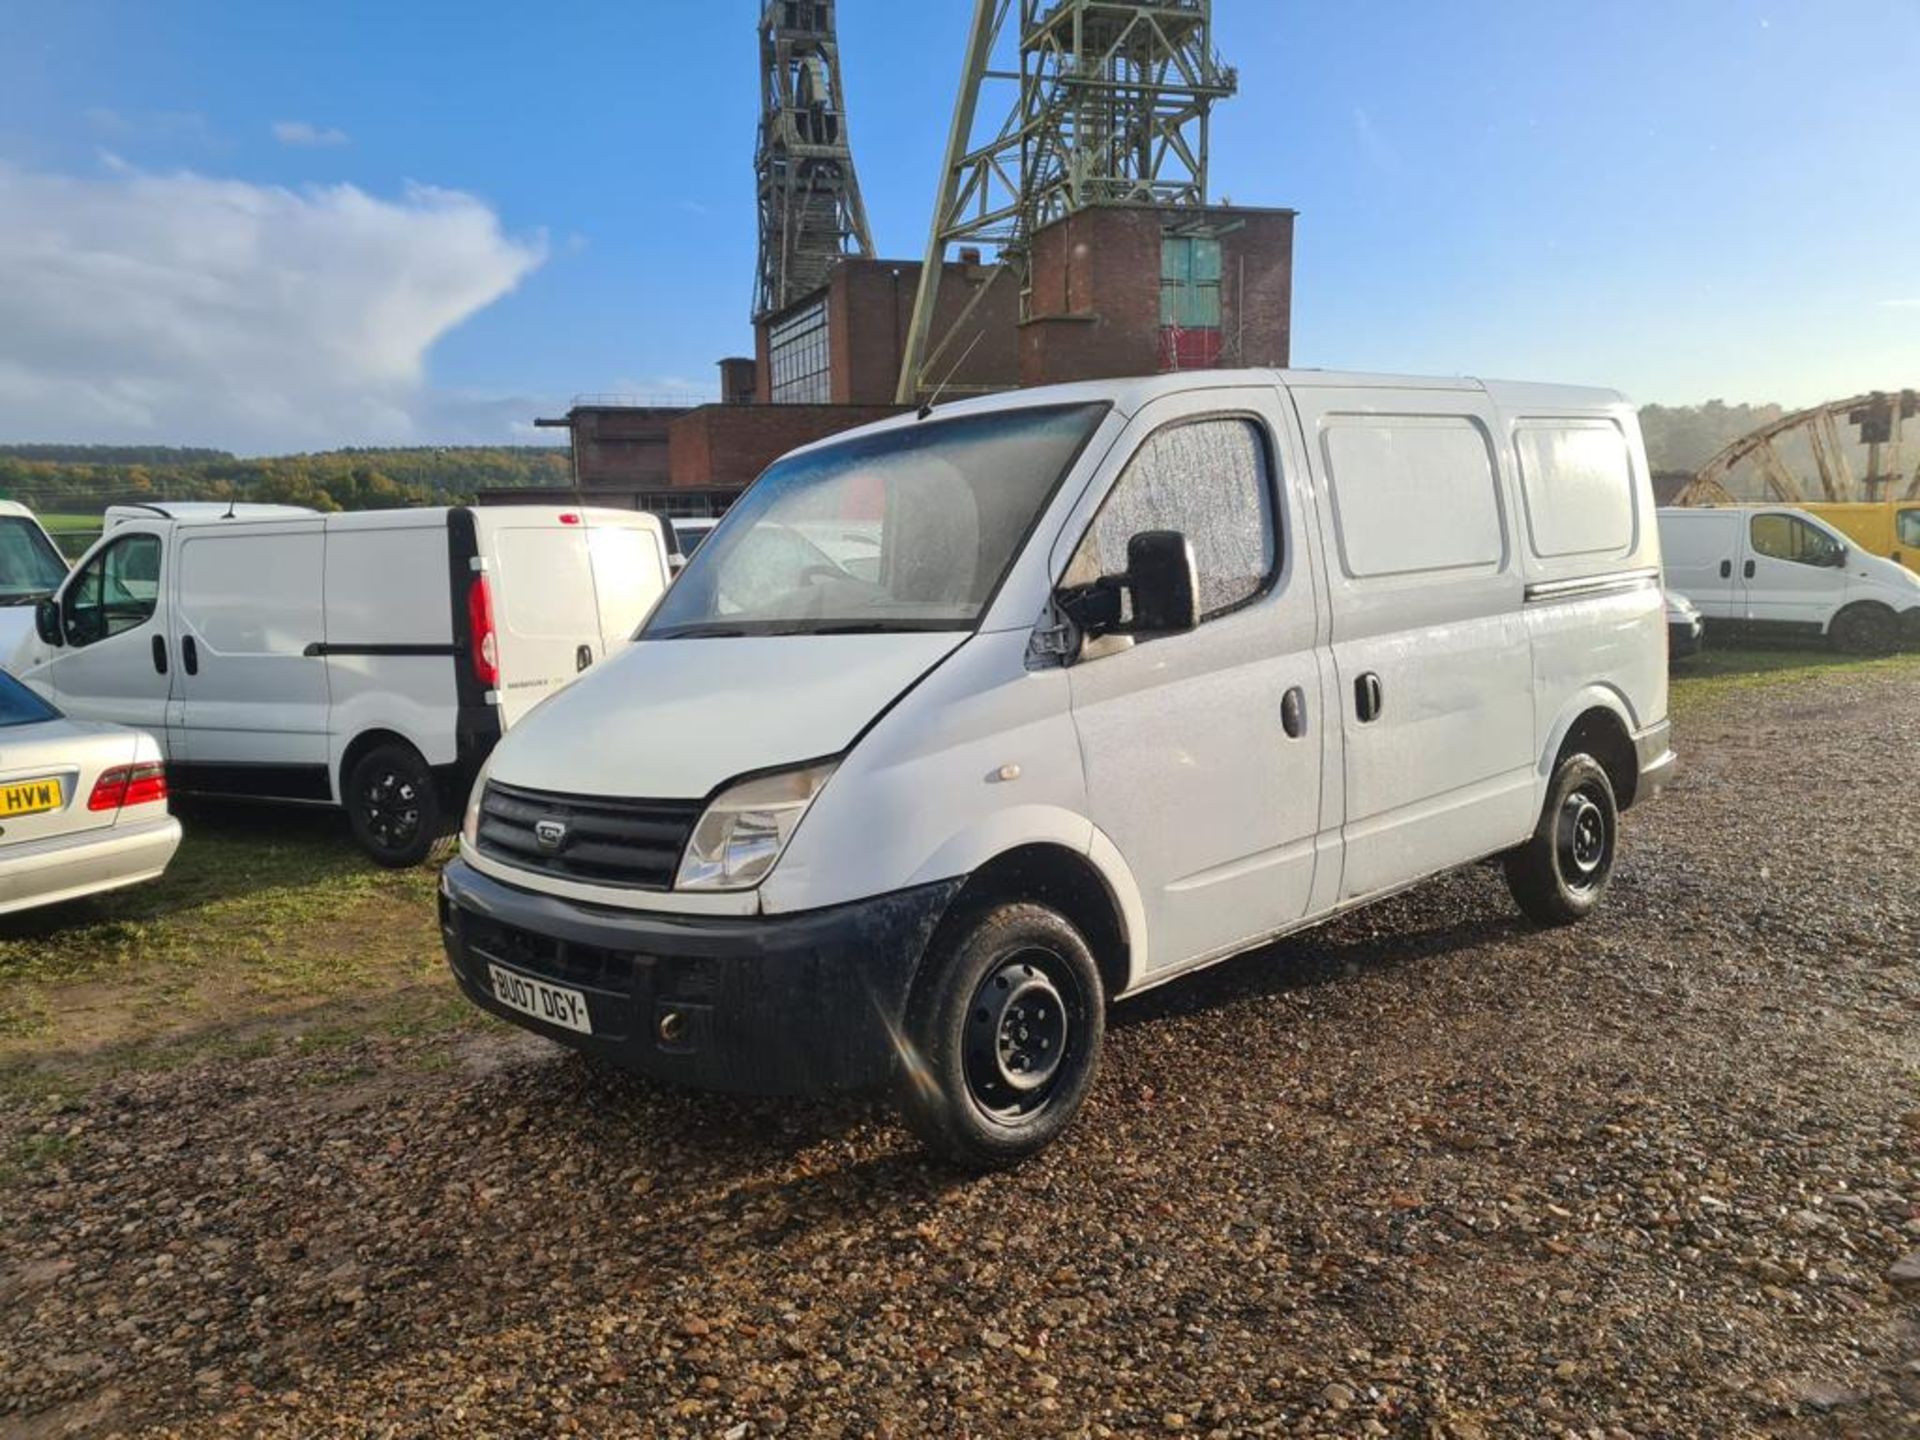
1890	528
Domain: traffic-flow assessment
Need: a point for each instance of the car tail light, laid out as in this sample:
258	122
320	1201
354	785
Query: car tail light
128	785
482	637
569	519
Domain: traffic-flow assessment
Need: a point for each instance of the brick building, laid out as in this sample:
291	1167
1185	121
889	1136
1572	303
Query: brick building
1114	291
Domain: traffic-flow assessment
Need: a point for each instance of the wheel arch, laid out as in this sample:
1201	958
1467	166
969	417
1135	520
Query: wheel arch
361	746
1069	881
1599	722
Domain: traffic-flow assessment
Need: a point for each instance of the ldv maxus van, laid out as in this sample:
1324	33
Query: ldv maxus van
961	726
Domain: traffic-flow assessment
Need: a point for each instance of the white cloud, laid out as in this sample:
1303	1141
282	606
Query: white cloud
1900	304
180	308
308	135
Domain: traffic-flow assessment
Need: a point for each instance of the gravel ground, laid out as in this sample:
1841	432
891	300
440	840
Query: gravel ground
1424	1173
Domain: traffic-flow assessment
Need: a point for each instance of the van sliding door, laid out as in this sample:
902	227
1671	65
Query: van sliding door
1434	663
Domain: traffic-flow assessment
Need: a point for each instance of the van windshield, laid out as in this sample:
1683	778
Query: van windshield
29	566
911	529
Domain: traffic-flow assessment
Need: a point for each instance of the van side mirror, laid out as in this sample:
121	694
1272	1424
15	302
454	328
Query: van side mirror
1162	583
46	621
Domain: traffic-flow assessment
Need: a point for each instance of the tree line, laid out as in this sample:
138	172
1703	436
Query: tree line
83	480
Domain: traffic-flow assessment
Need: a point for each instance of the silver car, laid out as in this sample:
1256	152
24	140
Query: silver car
83	807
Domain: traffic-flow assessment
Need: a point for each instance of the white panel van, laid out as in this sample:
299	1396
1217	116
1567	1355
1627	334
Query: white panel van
31	567
365	660
1774	570
1093	686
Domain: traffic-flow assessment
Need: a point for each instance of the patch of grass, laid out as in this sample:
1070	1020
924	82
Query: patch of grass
1721	671
34	1153
269	926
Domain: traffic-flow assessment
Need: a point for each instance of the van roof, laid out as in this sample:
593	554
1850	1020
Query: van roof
1129	395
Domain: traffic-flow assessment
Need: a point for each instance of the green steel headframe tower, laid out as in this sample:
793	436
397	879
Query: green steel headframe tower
1095	102
811	213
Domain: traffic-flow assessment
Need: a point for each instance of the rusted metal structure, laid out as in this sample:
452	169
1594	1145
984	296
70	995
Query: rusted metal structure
1753	467
1085	103
811	213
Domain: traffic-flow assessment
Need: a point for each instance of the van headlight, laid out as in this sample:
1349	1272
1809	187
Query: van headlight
745	831
470	825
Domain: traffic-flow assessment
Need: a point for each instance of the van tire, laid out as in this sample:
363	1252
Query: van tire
1865	630
394	807
1560	875
1020	978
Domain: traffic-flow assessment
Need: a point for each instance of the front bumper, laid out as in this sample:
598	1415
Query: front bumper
1685	640
1654	748
70	867
775	1005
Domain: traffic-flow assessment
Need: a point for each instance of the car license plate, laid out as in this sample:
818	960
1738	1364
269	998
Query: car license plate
31	797
552	1003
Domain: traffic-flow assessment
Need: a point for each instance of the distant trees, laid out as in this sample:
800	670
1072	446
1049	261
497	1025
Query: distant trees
1681	439
82	479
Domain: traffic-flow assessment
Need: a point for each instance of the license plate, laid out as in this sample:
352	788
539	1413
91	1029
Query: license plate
31	797
554	1004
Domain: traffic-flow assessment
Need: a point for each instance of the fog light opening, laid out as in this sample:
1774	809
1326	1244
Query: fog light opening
673	1027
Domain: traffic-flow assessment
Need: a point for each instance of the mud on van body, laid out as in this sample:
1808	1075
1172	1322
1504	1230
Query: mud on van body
964	725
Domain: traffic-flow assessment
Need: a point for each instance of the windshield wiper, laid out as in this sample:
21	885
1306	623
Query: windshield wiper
883	627
701	632
34	598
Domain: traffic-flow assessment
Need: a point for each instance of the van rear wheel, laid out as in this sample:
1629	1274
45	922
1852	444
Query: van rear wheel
1003	1035
394	806
1558	877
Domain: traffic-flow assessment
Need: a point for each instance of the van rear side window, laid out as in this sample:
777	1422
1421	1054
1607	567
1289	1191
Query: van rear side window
1413	494
1577	477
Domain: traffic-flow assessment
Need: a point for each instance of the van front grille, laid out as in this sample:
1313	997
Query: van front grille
631	843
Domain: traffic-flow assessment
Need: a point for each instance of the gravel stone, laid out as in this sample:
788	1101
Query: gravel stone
1425	1173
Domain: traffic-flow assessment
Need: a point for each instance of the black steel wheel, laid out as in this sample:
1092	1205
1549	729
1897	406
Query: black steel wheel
1559	875
393	806
1003	1035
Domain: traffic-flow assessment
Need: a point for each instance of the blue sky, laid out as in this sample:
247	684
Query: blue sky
427	221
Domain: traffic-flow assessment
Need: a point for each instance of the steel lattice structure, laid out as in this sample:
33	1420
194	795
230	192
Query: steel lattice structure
1093	102
811	212
1881	419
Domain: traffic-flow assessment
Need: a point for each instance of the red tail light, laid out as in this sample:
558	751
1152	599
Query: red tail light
485	643
128	785
569	519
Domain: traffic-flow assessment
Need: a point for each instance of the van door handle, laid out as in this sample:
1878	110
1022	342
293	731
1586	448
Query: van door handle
160	654
582	659
1369	698
1751	568
1293	713
190	655
1726	569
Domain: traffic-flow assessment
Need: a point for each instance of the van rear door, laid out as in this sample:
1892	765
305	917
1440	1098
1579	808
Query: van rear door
629	573
546	613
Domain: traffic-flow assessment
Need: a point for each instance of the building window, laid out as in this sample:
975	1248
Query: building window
802	359
1190	308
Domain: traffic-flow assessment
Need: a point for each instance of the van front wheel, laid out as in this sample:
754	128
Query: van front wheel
1559	875
393	806
1003	1036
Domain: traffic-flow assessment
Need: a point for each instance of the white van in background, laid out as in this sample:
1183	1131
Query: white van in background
366	660
1774	570
961	725
31	568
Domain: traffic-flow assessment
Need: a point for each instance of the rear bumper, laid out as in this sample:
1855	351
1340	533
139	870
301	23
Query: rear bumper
1657	760
48	872
777	1005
